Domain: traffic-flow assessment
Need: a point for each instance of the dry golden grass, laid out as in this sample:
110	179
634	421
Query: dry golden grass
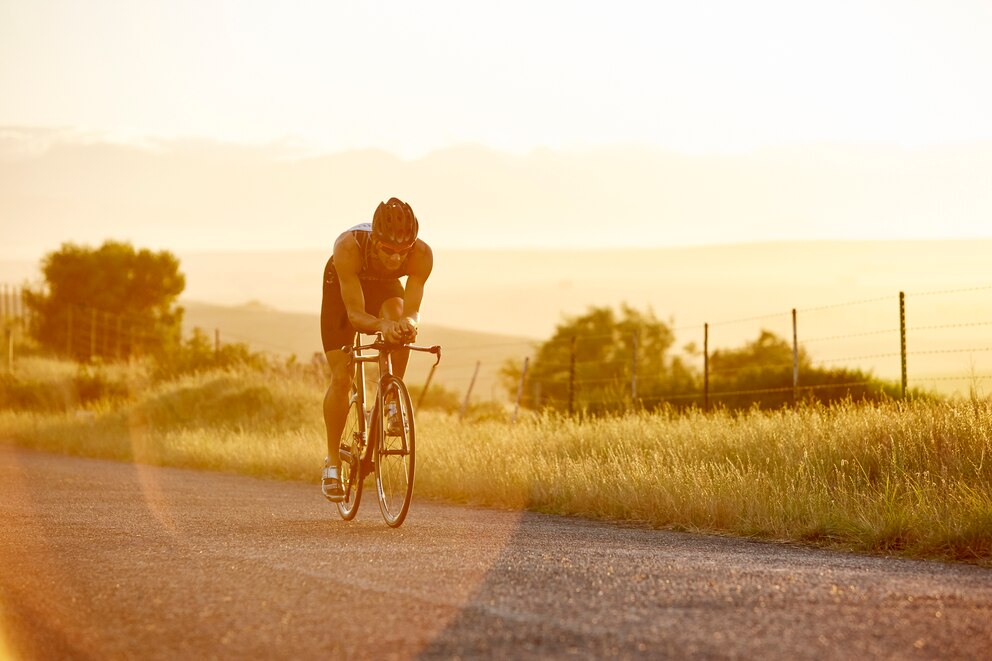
911	478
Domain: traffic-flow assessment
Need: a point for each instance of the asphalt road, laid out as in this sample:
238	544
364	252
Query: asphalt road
107	560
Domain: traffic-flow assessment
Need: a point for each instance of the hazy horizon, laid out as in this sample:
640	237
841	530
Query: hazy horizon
202	196
474	289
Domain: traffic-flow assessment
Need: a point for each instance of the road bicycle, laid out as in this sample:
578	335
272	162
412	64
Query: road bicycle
379	434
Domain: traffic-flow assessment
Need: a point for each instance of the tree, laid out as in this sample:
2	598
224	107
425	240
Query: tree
603	344
113	301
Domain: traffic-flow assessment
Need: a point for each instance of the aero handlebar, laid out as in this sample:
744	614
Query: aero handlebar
380	344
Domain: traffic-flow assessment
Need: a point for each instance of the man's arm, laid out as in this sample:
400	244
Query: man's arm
348	263
421	265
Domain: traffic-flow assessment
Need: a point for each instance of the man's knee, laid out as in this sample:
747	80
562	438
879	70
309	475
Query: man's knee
342	372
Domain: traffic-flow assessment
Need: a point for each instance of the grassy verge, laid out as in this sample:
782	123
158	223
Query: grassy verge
912	479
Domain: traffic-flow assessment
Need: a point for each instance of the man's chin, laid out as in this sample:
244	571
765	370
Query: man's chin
389	269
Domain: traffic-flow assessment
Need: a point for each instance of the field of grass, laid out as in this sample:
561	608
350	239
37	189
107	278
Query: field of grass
906	478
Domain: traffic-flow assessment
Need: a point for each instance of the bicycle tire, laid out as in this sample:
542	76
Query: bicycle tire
353	441
395	453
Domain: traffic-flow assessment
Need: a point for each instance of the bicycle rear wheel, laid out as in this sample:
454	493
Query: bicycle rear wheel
394	453
353	440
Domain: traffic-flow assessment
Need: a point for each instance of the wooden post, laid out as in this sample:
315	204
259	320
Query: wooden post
25	325
427	384
571	378
633	374
120	332
902	340
216	343
105	345
795	359
9	331
92	333
520	388
706	367
468	393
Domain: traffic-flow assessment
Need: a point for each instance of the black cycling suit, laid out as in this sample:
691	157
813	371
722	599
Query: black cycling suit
378	286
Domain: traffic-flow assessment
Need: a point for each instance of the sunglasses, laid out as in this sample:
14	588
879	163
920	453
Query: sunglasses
392	250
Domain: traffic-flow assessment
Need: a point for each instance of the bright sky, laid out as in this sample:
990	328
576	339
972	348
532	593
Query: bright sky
409	77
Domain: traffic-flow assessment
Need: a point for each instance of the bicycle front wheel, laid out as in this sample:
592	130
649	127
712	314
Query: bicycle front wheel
394	451
353	440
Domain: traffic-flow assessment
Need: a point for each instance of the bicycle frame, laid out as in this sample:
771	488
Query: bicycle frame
384	358
377	440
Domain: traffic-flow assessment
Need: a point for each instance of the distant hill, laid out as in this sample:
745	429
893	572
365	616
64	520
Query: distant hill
283	334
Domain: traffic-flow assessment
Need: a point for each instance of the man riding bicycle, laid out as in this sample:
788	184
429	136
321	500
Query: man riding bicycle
362	292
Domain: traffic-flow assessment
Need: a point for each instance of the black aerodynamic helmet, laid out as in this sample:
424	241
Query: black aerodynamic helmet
394	224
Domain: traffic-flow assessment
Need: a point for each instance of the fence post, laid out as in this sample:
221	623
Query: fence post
105	352
571	378
902	339
216	343
633	374
468	393
706	367
520	389
25	314
427	384
795	359
68	333
92	333
120	332
9	332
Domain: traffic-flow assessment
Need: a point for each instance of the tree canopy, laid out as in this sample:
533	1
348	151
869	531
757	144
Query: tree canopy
604	344
109	301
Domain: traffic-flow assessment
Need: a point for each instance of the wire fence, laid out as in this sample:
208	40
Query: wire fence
934	340
82	332
931	341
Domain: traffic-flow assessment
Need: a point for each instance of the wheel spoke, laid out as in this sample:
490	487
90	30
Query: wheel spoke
394	468
351	449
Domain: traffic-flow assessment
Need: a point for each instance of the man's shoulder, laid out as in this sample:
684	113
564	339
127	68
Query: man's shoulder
422	248
346	248
351	231
422	259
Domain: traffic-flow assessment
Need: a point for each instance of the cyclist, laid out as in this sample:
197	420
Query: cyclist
362	291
